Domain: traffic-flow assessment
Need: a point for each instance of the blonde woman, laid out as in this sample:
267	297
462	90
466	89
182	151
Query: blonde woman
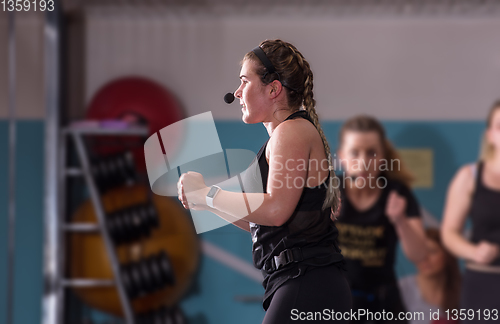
294	238
475	192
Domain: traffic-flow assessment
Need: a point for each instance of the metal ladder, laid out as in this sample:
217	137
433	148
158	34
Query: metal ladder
76	135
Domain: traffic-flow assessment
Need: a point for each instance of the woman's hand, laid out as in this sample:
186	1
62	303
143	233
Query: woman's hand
395	208
486	252
410	230
191	190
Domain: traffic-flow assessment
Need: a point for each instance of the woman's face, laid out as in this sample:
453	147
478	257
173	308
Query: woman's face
493	131
362	154
252	94
435	261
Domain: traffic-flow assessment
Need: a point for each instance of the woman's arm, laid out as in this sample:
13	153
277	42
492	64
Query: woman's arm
290	148
410	231
244	225
412	237
458	202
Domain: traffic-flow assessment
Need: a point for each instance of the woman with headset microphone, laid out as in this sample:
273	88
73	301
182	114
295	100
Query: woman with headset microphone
292	182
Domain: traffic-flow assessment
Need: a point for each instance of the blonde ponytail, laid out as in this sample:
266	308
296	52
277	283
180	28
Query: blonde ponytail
487	150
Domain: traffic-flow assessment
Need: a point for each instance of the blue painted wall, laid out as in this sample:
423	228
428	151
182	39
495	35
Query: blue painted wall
212	298
28	279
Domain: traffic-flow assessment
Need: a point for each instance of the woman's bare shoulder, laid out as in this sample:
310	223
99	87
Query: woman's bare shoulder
465	177
297	133
298	126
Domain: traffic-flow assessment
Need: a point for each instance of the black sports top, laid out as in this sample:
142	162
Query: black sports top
307	227
484	213
368	239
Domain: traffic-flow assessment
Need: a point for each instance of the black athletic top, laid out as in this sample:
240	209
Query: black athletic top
368	239
308	226
484	213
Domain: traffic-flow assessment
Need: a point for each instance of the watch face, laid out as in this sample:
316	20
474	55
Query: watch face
212	192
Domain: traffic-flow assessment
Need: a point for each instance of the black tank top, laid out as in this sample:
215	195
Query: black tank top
485	213
307	227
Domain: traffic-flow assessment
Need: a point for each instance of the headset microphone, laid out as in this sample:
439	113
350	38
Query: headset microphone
229	98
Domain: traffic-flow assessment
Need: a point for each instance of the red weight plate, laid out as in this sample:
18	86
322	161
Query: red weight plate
133	98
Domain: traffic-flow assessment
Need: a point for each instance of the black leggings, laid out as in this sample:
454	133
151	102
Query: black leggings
319	291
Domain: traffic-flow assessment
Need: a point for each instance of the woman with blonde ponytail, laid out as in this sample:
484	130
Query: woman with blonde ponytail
474	193
292	183
378	211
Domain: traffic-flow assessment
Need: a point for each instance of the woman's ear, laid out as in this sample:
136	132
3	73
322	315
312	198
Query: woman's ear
275	89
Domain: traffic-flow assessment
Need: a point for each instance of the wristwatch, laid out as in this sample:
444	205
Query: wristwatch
211	195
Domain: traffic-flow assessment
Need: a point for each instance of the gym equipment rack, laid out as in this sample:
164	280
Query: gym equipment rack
77	134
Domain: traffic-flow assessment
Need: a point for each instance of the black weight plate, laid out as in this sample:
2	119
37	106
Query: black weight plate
126	280
148	281
155	273
154	220
166	268
137	280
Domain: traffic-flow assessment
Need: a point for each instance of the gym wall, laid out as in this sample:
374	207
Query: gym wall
30	98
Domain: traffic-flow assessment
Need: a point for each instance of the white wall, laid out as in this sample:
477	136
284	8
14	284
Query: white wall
407	68
30	96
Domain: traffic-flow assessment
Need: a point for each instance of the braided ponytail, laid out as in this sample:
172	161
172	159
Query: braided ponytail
333	194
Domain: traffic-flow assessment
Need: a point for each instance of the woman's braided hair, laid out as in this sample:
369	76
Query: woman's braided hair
296	76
